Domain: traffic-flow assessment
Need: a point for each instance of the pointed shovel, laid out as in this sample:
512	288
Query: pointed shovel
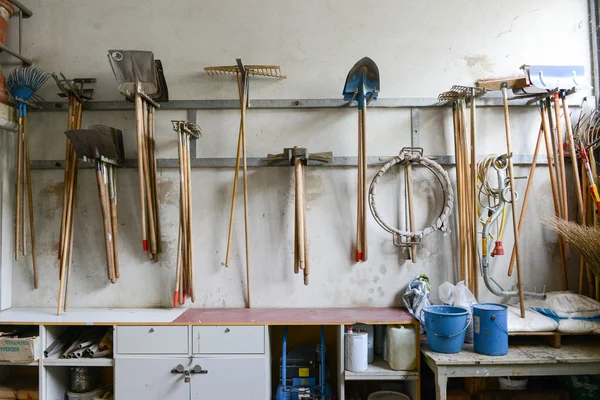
362	85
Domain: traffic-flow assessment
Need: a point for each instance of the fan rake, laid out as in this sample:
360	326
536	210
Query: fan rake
22	83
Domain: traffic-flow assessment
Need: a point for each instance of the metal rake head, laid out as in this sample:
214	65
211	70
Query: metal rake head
458	92
187	127
269	71
587	129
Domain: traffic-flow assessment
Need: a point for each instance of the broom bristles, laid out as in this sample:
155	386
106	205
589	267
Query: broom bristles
586	239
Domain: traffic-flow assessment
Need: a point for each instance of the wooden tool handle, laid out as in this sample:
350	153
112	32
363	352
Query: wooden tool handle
190	234
304	228
526	197
114	219
359	198
363	196
299	211
139	128
30	204
511	177
574	163
411	211
148	184
555	197
244	101
106	222
65	244
296	248
18	187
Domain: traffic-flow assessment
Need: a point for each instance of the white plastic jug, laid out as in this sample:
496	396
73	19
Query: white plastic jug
401	346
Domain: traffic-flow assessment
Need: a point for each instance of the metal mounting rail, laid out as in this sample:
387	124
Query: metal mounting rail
285	104
26	11
260	162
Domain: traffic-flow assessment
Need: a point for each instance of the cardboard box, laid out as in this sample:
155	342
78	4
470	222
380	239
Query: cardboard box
20	350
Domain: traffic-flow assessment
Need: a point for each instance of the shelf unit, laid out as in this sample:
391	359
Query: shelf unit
22	12
380	370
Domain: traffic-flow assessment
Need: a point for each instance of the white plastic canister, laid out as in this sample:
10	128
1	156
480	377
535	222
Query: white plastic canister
401	346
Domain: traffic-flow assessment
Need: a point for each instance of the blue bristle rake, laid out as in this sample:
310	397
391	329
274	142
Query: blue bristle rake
362	85
22	83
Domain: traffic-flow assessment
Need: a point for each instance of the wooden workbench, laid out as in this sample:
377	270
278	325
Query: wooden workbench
521	360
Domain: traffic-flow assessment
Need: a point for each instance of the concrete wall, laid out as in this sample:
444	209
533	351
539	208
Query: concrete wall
422	48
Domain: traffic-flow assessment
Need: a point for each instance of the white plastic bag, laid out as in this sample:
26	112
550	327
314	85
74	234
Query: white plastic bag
459	296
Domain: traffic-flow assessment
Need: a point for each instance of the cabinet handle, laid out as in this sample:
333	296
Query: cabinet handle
151	330
227	330
198	370
178	369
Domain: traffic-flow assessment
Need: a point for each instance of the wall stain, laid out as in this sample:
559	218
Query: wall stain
383	269
313	187
168	192
54	194
479	64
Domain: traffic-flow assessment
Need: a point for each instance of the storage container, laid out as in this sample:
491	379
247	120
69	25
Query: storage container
387	395
401	347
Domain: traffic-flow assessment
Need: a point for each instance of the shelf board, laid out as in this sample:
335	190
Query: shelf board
380	370
18	364
78	362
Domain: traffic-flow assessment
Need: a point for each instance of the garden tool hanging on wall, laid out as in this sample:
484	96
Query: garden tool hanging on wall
586	137
243	73
413	156
298	157
490	216
102	146
184	281
22	83
362	84
78	95
140	78
465	149
505	84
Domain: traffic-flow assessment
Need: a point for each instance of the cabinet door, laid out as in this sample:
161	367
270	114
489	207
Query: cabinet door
231	379
150	379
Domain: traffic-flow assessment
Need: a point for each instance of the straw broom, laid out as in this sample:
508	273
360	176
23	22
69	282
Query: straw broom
586	239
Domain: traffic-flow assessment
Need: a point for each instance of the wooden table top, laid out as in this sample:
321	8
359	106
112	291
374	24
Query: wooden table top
585	352
295	316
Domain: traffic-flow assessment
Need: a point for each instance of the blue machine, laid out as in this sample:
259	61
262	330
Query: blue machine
308	380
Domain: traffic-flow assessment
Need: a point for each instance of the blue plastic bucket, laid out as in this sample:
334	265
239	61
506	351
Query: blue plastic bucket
446	327
490	326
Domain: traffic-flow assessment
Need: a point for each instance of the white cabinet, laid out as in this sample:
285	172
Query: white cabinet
228	339
151	379
153	340
231	378
215	362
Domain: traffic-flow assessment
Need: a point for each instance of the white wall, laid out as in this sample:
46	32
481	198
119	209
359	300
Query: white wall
421	48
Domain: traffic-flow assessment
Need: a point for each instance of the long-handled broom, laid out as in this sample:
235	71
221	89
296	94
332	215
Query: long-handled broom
22	83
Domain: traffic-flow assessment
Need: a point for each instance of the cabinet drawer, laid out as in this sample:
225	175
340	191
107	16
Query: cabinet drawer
153	340
228	339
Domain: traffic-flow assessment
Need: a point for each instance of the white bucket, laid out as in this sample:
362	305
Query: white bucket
386	395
